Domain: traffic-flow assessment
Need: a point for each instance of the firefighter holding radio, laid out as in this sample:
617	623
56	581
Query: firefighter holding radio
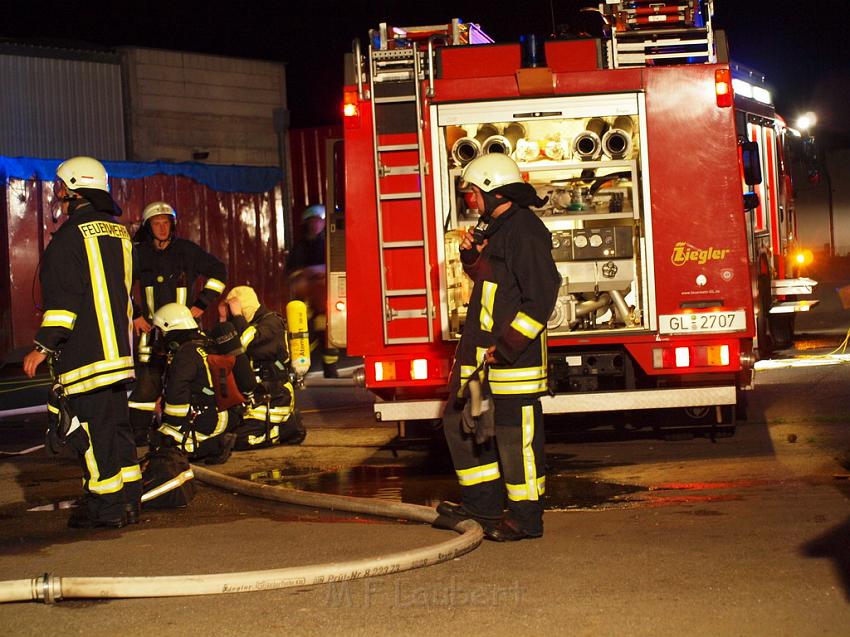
493	417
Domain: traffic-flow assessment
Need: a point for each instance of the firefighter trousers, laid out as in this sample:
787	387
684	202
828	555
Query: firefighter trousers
143	399
511	465
200	437
106	450
271	423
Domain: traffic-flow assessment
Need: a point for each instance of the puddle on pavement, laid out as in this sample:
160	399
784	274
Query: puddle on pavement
414	485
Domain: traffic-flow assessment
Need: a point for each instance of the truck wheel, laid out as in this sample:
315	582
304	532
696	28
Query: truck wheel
703	420
765	345
782	330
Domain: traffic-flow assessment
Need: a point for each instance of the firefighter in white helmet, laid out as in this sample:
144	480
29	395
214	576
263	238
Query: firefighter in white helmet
169	270
308	283
503	347
190	419
85	279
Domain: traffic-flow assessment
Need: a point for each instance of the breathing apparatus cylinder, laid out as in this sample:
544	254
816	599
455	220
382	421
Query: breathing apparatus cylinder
299	337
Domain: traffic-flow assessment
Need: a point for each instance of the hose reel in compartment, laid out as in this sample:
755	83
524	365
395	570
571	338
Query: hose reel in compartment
590	139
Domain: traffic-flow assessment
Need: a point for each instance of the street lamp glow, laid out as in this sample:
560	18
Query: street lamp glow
807	121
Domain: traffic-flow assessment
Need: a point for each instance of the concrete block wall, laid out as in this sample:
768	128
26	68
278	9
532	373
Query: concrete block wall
180	104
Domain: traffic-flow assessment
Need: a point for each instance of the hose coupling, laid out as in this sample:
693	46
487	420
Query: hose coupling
47	588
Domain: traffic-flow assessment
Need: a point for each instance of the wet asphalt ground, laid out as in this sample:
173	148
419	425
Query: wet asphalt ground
748	535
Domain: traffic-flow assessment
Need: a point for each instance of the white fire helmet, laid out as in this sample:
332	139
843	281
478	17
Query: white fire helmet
174	316
158	208
492	171
316	210
83	172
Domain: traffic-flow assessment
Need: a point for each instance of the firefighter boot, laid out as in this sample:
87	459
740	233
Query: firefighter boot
509	530
132	512
293	431
226	443
82	517
451	514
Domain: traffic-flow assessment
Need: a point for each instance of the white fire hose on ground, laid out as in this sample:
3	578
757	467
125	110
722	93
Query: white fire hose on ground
48	588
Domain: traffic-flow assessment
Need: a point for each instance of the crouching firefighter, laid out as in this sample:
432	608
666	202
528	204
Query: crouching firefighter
190	419
271	418
503	350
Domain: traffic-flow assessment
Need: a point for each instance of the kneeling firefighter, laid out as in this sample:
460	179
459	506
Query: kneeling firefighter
509	259
271	418
190	419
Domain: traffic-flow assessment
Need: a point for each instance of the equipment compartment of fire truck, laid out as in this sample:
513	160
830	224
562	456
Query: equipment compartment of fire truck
669	203
583	156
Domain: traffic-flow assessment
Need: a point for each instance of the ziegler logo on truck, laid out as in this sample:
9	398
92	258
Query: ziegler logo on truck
683	252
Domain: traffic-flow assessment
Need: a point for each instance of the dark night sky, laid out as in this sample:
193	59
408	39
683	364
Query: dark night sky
802	47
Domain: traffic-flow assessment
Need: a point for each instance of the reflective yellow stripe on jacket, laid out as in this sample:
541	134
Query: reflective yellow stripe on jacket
525	380
248	336
526	325
215	285
488	299
59	318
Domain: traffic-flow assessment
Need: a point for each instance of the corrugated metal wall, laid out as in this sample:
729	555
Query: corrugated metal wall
309	172
52	107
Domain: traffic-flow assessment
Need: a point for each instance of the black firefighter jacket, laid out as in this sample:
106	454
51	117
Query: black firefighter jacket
515	289
169	275
86	276
264	340
190	416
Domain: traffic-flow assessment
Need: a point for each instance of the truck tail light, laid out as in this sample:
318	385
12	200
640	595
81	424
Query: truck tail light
384	370
351	109
419	369
723	87
690	356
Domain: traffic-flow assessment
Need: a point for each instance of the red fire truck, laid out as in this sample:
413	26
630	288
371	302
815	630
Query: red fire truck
674	277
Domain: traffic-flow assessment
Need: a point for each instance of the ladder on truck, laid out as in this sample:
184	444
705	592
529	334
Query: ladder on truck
397	59
397	137
659	32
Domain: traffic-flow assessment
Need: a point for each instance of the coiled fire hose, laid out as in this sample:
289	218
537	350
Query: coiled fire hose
48	588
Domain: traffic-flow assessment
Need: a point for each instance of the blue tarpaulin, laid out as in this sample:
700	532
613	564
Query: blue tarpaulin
247	179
